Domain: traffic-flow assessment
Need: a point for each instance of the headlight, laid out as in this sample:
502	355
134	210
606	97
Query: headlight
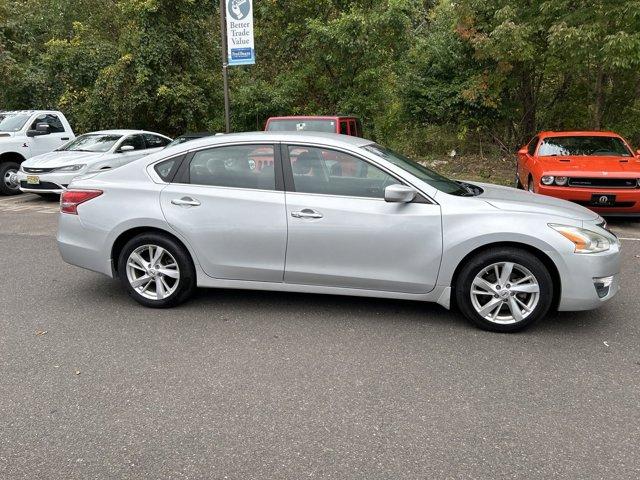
585	241
561	180
547	179
70	168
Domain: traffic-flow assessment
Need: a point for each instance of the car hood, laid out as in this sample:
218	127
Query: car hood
580	166
60	159
513	200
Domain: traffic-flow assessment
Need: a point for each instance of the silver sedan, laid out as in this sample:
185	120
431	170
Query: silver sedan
332	214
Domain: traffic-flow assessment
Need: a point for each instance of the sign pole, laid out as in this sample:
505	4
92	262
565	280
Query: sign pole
225	64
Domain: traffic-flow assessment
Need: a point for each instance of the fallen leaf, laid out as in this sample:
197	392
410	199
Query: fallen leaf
39	333
77	372
605	344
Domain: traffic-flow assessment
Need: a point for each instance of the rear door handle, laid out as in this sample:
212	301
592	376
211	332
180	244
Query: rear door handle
185	202
306	213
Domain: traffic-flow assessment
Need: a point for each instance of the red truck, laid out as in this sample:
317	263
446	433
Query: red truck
345	125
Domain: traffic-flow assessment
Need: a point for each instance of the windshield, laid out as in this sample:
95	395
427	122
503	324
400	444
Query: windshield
418	170
583	146
12	122
301	125
91	143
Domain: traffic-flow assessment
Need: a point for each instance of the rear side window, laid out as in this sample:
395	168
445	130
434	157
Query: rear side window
237	166
343	128
532	146
166	170
155	141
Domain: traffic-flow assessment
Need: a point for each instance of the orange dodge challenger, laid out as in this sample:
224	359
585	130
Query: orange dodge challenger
596	169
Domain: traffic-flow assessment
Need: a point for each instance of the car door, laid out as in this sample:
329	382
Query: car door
139	150
228	202
342	233
57	136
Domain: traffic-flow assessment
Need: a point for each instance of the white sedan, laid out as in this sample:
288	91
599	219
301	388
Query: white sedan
52	172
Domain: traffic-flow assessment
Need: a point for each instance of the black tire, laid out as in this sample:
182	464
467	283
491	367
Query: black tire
187	280
489	257
5	169
519	183
531	185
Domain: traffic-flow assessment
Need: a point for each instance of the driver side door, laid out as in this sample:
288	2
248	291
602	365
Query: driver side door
342	233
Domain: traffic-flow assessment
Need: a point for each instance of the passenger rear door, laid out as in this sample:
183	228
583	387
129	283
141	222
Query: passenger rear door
342	233
228	201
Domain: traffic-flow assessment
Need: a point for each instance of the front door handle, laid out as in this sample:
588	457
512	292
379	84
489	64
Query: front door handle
306	213
185	202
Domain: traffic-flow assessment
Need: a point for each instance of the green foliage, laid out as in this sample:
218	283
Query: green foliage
425	76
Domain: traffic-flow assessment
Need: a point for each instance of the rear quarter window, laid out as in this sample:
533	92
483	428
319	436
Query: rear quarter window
167	169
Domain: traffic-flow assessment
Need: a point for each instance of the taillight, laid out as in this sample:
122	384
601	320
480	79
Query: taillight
72	198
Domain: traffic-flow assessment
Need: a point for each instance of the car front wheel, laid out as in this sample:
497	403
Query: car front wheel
156	271
504	290
7	171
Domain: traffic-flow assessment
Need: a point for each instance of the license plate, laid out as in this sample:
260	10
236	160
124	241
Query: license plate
603	200
33	180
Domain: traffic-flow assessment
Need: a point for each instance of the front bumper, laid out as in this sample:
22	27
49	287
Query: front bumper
51	182
627	199
582	278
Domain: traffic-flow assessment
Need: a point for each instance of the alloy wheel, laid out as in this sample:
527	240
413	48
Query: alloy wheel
153	272
505	293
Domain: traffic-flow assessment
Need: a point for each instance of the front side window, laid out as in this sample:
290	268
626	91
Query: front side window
135	141
583	146
330	172
531	149
12	122
91	143
237	166
55	125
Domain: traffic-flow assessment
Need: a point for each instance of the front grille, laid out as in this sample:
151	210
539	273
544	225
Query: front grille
37	170
40	186
603	182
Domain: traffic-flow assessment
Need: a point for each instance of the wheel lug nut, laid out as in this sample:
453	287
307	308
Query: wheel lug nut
495	296
508	286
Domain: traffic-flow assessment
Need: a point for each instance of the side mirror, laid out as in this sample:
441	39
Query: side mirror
126	148
638	152
523	151
399	194
41	129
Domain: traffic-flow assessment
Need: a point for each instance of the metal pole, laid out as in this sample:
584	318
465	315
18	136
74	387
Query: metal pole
225	65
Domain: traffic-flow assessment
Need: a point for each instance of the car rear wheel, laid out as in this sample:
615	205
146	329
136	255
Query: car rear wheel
504	290
7	172
156	271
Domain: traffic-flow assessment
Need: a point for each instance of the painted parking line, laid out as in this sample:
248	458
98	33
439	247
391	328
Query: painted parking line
629	239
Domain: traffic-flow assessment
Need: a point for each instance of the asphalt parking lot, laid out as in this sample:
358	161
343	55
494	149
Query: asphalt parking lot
242	385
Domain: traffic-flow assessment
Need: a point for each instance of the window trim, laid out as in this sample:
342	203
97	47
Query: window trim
183	174
289	184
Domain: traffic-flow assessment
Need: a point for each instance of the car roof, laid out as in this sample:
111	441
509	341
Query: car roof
196	135
578	133
121	132
28	112
328	139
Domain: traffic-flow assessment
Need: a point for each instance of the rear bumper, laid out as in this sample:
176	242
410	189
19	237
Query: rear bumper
627	199
82	246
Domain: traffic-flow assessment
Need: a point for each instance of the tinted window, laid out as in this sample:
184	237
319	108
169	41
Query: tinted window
136	141
239	166
155	141
583	146
532	146
343	128
55	125
318	170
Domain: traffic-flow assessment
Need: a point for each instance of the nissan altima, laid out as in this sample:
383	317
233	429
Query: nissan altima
50	173
332	214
